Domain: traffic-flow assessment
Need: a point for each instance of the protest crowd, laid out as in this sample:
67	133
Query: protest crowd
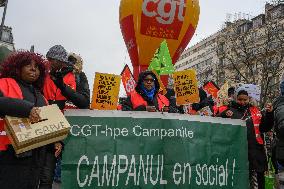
29	81
169	130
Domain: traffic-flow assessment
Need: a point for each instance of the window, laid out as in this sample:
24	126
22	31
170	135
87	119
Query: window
6	36
221	61
221	47
259	21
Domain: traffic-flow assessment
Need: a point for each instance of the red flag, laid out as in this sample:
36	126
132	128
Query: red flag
211	88
128	80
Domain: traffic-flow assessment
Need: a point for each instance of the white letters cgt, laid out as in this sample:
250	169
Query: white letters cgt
161	15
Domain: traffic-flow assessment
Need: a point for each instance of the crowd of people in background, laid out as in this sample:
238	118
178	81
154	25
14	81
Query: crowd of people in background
29	81
239	106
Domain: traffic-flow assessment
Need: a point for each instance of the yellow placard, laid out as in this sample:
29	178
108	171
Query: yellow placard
105	91
186	87
162	86
223	95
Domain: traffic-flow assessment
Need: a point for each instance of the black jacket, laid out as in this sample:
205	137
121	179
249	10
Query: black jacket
32	97
127	105
80	97
204	101
256	152
278	123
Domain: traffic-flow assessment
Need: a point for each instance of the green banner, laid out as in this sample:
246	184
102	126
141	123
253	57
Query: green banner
113	149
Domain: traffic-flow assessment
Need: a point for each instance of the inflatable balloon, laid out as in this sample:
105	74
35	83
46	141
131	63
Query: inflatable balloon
146	23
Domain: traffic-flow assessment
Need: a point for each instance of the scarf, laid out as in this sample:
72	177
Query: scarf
150	94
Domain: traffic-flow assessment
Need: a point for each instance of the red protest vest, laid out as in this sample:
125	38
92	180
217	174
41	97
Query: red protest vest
52	92
137	100
119	107
218	110
10	88
256	118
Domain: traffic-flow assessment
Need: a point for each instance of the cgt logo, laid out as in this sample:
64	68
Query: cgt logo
130	85
164	11
162	18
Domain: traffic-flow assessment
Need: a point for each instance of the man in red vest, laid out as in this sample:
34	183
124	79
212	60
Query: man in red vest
61	87
256	125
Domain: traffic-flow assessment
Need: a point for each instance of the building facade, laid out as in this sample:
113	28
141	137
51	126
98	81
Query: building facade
201	57
244	51
252	51
7	39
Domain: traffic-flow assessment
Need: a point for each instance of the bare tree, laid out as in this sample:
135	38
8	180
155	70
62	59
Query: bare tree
254	55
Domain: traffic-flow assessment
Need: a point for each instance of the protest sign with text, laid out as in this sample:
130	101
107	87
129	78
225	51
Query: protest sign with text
105	91
223	95
186	87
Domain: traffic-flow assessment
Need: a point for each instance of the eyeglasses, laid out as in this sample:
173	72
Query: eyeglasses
149	80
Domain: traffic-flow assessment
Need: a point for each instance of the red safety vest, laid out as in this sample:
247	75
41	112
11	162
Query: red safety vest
10	88
256	118
137	100
218	110
52	92
119	107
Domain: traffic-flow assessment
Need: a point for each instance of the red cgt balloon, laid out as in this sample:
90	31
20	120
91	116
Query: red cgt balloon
146	23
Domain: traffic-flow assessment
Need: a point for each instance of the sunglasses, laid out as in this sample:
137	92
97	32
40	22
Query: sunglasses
149	80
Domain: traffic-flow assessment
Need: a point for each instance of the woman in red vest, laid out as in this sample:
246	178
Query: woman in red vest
256	125
146	96
21	81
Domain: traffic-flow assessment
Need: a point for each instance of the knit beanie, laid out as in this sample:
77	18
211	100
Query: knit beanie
57	52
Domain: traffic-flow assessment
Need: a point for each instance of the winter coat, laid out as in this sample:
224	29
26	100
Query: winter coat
17	98
68	87
278	123
256	153
158	98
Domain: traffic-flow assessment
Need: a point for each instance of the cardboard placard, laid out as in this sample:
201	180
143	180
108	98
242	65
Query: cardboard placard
25	135
105	91
186	87
162	86
206	111
223	95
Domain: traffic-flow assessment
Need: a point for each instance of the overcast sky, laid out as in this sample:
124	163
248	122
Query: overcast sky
91	27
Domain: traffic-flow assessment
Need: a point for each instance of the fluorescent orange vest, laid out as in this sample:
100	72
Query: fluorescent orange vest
256	118
137	100
10	88
218	110
52	92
